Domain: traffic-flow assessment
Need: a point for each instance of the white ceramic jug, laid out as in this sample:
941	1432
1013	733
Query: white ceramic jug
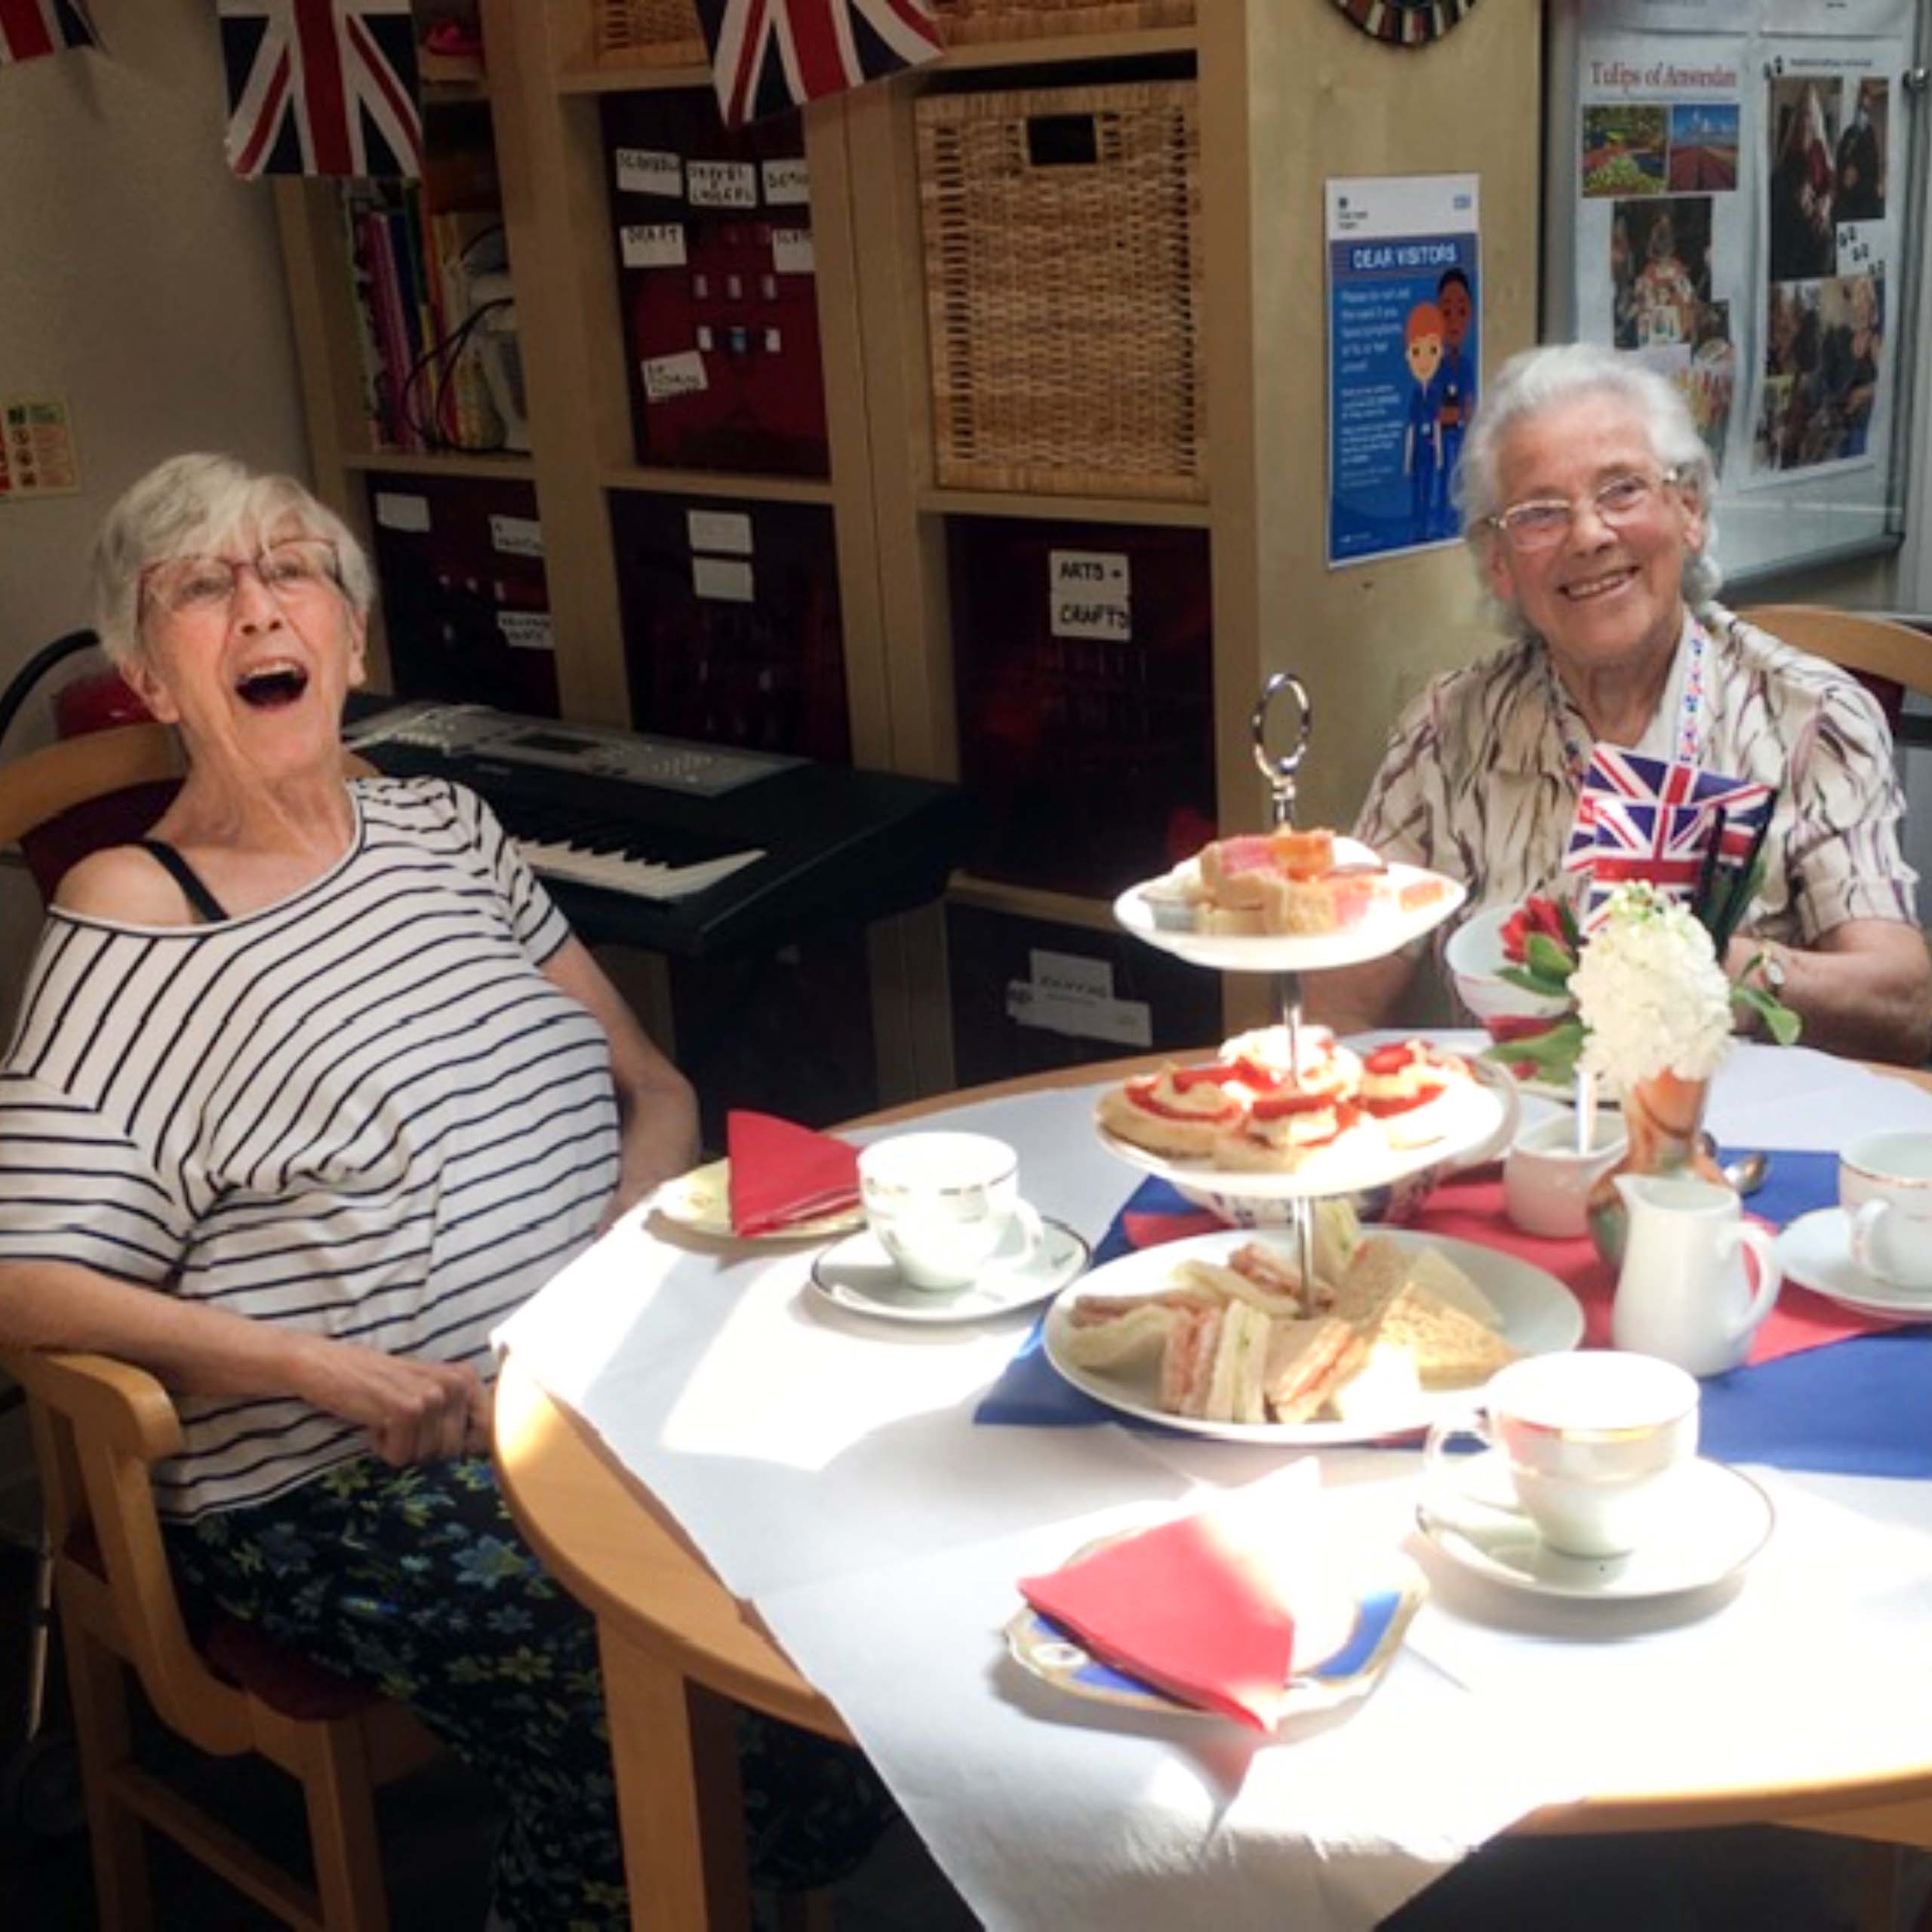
1683	1293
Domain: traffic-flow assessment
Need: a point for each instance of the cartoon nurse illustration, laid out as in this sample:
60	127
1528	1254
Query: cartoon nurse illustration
1456	387
1422	444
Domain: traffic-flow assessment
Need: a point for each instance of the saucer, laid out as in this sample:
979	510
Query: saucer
1815	1251
1716	1522
858	1275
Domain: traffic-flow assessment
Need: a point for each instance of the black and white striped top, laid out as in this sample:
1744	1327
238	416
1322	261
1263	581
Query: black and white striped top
364	1110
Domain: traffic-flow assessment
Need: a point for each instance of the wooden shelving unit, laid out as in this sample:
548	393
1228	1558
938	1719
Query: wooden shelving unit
1288	96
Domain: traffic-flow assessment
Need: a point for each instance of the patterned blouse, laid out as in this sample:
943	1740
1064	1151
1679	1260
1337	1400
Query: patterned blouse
1481	776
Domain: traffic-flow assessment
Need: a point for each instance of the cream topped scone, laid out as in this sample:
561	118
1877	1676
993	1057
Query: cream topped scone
1180	1109
1404	1088
1286	1129
1321	1065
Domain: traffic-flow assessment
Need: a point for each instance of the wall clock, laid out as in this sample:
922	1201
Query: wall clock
1406	23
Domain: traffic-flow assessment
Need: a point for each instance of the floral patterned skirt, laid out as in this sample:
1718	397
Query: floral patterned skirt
416	1582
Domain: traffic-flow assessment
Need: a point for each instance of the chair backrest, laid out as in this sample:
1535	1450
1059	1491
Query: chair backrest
1879	648
98	1425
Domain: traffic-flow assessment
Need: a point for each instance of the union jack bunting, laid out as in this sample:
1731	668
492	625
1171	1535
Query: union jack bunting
321	87
1643	818
768	56
29	28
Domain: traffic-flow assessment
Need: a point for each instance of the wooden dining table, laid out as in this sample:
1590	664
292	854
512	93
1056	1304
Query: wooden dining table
679	1652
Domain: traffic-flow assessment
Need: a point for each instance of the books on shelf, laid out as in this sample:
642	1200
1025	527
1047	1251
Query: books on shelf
435	318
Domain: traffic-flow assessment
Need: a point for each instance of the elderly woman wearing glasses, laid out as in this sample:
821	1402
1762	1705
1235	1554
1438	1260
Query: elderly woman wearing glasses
1586	493
309	1089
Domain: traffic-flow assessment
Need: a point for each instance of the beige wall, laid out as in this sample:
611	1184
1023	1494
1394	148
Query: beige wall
140	279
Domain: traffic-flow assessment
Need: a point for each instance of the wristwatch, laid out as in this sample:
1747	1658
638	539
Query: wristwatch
1771	971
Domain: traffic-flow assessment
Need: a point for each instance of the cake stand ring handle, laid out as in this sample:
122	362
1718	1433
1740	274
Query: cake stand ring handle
1280	772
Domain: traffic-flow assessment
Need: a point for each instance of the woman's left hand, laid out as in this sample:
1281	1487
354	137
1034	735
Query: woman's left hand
658	1142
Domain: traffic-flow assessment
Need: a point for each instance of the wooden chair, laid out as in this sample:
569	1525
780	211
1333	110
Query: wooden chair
98	1424
1884	649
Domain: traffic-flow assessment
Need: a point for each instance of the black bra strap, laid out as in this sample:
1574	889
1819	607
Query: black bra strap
185	876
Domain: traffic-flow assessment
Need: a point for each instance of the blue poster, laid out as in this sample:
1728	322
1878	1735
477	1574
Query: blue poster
1404	350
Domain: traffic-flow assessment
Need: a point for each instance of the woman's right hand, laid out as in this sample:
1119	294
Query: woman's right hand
414	1411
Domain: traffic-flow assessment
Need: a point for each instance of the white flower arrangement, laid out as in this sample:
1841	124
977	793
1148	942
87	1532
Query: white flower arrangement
1651	993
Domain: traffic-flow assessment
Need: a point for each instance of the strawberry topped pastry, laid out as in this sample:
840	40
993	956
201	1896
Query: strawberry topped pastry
1288	1130
1179	1110
1317	1063
1403	1087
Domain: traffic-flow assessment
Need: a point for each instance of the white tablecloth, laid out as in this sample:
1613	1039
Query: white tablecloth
829	1468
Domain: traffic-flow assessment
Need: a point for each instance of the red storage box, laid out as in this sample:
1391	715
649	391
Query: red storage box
465	600
1082	658
731	623
712	230
1028	994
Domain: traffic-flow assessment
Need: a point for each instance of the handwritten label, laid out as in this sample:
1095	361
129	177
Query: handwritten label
668	376
792	250
396	510
517	536
787	183
727	579
652	244
721	184
650	171
728	530
1089	595
525	630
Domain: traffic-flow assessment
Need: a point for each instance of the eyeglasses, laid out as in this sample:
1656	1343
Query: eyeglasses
1543	522
297	567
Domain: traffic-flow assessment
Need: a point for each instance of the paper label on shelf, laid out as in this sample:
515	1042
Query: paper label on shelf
792	250
1072	995
517	536
668	376
726	579
396	511
1089	594
728	530
649	171
787	183
721	184
652	244
525	630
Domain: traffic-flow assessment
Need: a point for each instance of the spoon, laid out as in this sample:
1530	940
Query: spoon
1747	1173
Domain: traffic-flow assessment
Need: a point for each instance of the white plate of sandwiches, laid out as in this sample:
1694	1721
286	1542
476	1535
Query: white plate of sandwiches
1242	1125
1286	901
1214	1335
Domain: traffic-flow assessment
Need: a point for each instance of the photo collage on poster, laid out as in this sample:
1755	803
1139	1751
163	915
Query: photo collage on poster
1661	235
1735	215
1827	159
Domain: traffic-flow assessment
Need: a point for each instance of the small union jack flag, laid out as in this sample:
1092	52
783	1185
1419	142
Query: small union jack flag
1644	818
768	56
29	28
321	87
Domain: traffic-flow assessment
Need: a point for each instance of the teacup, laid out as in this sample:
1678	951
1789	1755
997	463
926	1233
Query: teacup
1594	1442
1546	1183
943	1206
1885	1188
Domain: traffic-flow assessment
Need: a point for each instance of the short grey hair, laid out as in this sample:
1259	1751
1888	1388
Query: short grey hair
190	505
1539	379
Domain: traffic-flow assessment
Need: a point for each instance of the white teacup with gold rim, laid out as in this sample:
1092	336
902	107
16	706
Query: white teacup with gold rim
945	1206
1885	1189
1593	1441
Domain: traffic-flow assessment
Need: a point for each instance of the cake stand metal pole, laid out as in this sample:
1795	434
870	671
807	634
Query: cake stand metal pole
1281	772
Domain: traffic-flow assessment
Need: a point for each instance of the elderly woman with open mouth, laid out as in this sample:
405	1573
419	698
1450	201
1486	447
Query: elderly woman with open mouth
310	1089
1586	494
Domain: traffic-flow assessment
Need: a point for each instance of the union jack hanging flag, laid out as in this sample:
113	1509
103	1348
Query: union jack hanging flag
321	87
769	56
1645	818
29	28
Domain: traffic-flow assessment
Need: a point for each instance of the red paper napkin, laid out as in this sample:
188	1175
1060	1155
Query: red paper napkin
1189	1607
782	1174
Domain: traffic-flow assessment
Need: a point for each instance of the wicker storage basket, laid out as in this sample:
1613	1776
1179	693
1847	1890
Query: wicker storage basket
1064	289
962	20
647	33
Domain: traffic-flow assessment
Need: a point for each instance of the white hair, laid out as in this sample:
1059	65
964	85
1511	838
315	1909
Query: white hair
197	504
1540	379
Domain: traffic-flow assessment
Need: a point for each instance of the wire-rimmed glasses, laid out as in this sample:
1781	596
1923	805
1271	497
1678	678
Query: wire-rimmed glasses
296	568
1540	523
